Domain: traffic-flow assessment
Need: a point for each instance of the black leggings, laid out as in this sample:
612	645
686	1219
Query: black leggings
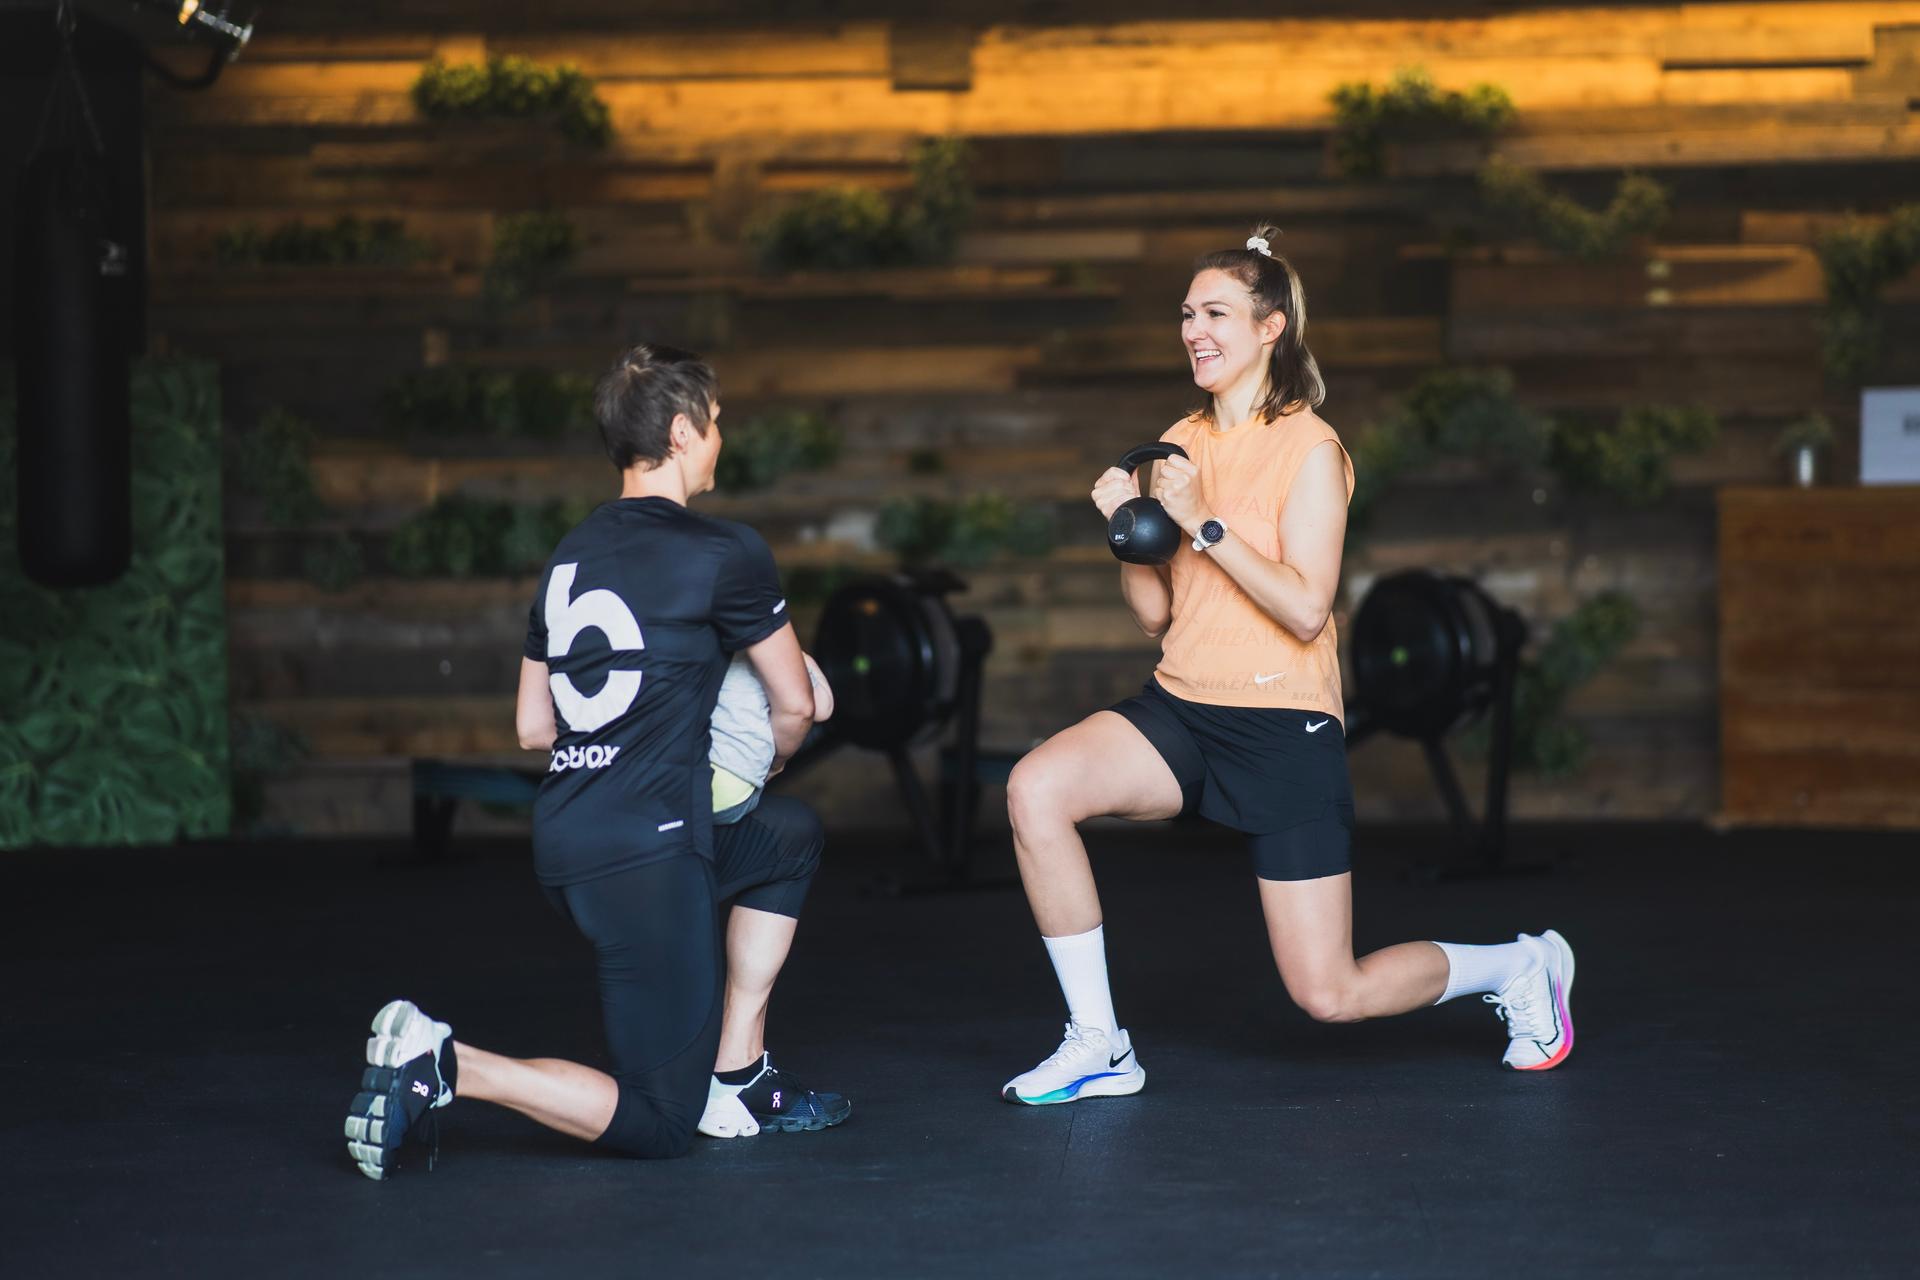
658	932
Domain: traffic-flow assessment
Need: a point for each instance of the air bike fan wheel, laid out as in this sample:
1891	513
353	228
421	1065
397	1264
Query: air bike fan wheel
903	668
1432	654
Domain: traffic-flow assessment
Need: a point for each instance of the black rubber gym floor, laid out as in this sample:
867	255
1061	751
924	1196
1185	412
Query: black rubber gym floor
183	1030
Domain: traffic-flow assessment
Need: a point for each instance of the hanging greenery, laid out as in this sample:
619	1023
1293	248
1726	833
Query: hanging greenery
810	585
345	242
1521	198
1409	109
113	700
334	562
509	87
771	446
461	402
529	251
464	537
970	532
261	751
942	201
1574	651
850	228
1631	457
272	466
1448	413
1474	414
1859	260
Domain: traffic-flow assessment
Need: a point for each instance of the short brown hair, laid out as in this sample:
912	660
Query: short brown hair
636	402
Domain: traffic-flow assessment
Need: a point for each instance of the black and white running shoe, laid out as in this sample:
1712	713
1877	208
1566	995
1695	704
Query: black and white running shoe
410	1074
779	1103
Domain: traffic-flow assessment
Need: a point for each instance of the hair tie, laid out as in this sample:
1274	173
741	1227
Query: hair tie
1259	245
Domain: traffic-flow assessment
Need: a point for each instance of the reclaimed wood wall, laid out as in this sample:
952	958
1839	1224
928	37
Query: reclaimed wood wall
1107	154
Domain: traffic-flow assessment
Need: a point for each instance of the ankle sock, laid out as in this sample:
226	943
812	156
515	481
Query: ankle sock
743	1076
1472	970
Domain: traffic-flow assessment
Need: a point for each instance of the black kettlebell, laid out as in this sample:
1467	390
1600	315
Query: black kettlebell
1141	531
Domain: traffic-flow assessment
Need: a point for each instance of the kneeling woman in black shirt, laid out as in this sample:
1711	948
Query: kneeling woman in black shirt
637	616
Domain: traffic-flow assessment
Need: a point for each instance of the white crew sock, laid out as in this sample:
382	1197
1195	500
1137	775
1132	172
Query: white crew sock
1080	962
1472	970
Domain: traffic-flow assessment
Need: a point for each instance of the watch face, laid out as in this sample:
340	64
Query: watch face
1213	531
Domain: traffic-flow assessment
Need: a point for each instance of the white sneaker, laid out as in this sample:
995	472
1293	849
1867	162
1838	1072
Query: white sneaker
726	1116
410	1074
1089	1063
1536	1007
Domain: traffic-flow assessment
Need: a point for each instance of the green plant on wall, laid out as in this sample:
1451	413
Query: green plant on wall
345	242
272	465
1409	108
1524	201
334	561
269	474
459	401
942	201
1545	743
1448	413
810	585
1579	645
113	700
849	228
1631	457
1474	414
773	445
509	87
529	251
969	532
1859	260
261	751
466	537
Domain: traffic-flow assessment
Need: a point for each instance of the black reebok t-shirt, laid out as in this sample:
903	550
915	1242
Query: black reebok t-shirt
636	616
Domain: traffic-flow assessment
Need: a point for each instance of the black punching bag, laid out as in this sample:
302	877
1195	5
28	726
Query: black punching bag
72	329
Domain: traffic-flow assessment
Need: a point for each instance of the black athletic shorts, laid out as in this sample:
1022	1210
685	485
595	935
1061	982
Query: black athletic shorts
1276	774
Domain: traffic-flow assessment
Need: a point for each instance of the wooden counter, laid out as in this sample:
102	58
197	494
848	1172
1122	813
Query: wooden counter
1820	656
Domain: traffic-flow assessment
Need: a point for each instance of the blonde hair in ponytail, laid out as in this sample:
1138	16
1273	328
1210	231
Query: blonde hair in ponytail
1293	375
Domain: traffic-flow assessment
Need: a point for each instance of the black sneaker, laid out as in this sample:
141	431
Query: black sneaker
410	1074
781	1103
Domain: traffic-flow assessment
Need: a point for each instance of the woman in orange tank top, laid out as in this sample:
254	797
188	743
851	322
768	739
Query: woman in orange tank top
1242	721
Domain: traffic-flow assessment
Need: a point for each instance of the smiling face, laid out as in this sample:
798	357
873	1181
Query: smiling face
1226	346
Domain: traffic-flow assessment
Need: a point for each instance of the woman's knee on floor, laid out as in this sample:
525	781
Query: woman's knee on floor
649	1128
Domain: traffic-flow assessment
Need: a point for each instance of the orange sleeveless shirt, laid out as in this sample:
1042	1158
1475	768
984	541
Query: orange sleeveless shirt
1222	649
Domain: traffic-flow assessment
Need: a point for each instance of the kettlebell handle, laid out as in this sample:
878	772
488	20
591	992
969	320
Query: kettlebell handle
1155	452
1140	531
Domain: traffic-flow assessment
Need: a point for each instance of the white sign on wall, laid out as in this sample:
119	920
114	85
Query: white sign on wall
1890	435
